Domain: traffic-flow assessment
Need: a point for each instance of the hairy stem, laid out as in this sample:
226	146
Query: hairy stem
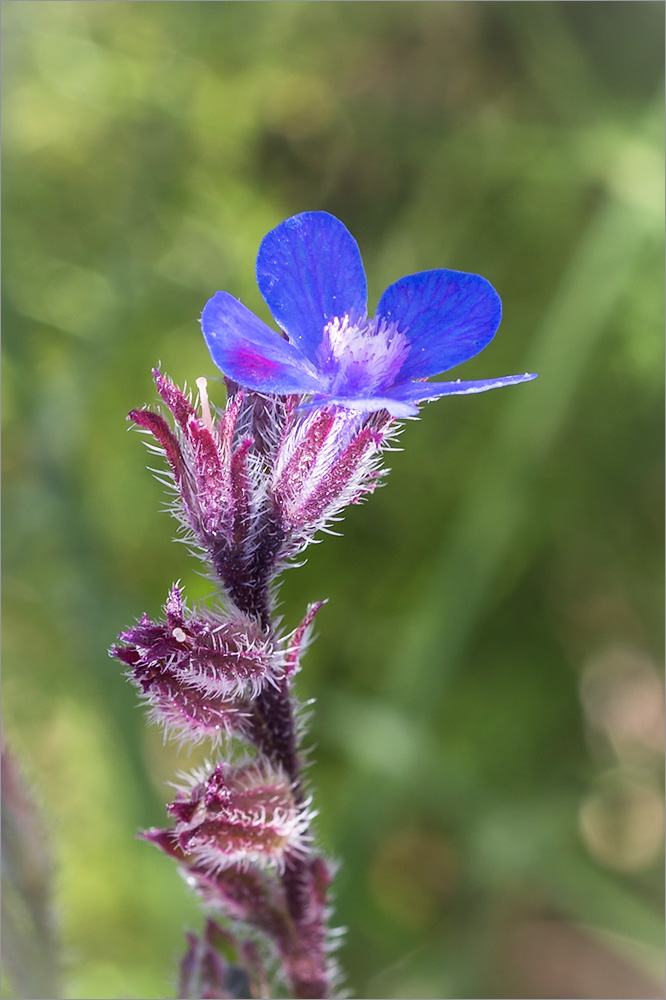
303	953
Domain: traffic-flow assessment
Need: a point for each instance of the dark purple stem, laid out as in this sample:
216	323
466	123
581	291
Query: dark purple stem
248	581
303	952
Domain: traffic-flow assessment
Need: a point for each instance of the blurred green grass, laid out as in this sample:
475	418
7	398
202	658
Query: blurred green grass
486	762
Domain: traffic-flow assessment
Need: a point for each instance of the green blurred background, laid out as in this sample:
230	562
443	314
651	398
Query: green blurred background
489	708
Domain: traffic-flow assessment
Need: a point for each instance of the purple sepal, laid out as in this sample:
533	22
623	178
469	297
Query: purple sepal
166	840
211	476
174	398
159	428
295	470
325	461
339	483
201	463
299	640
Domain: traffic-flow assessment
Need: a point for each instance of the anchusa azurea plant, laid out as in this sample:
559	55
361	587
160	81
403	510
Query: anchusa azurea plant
309	412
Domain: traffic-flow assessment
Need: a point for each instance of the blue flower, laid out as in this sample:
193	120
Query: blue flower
310	273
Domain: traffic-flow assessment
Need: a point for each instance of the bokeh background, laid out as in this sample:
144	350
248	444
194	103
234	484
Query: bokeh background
489	705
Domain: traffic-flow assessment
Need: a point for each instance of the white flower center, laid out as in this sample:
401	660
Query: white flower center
361	358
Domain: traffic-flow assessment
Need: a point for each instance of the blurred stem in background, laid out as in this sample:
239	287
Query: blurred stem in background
30	949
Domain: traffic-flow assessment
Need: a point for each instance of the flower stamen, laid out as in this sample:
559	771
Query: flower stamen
202	386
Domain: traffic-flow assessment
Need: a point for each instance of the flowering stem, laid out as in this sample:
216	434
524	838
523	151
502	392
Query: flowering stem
308	414
247	586
303	949
304	955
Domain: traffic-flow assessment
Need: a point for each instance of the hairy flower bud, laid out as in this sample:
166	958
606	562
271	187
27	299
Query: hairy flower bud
198	673
240	815
327	459
208	464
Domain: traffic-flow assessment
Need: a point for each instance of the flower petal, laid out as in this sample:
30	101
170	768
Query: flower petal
418	392
365	404
309	269
448	316
252	354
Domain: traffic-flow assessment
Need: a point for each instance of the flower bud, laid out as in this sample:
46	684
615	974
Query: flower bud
240	815
327	460
198	673
209	466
